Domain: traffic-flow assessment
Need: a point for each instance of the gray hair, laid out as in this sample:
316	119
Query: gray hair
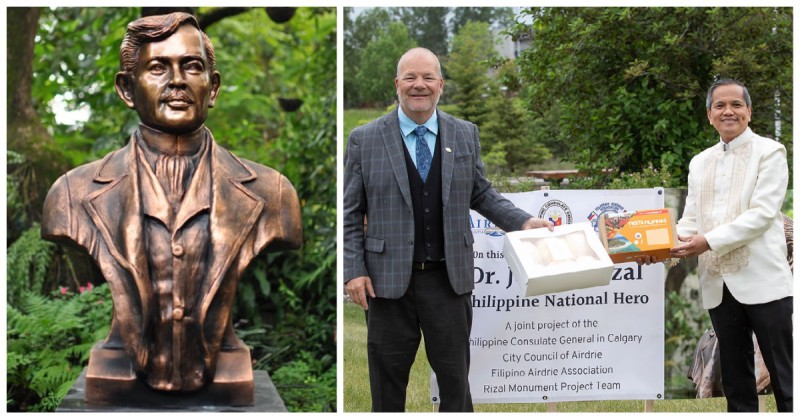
725	82
416	50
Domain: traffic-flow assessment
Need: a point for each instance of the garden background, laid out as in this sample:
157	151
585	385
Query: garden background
63	112
614	96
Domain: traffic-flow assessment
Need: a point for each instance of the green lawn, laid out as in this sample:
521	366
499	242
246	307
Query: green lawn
357	117
357	395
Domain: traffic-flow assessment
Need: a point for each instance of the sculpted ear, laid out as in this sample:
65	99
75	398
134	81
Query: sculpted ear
215	83
124	88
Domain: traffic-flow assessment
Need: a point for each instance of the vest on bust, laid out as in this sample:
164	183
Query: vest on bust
426	199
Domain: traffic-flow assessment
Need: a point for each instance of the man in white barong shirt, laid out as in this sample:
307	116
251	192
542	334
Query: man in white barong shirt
732	221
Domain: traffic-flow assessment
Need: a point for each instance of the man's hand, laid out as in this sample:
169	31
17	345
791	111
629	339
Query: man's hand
647	260
693	246
358	288
537	223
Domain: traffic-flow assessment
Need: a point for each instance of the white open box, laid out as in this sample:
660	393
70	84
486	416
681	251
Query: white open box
568	258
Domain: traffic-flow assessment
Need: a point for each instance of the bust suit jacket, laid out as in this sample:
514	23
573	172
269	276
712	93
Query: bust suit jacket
735	200
98	207
377	186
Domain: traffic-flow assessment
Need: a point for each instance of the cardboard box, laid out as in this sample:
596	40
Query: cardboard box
628	235
568	258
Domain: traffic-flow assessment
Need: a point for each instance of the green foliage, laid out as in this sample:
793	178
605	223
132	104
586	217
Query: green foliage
77	55
788	203
684	323
494	16
18	184
626	86
48	344
359	31
649	177
375	77
28	258
507	130
308	383
467	65
427	26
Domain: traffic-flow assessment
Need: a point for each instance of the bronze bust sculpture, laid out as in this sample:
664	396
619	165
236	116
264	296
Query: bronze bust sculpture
172	220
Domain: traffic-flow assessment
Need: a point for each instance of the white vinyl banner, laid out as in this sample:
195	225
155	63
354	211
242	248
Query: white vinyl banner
600	343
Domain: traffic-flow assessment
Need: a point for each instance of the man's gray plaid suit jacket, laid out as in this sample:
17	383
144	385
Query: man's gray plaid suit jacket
376	186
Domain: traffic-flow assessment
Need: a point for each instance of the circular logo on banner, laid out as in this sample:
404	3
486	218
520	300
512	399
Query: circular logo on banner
557	212
604	208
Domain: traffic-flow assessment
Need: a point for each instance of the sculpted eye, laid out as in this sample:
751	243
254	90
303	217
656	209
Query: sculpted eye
194	66
157	68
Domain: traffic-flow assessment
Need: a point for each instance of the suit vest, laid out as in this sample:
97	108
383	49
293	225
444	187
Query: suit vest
426	199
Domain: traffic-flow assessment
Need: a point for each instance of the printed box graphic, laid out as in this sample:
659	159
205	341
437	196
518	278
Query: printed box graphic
629	235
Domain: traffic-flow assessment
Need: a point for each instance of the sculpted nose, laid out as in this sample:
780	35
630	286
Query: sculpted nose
177	78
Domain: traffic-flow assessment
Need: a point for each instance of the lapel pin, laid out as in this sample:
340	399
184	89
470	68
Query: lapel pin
448	149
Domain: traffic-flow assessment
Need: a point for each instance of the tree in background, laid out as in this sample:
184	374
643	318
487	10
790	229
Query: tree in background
494	16
468	65
359	31
626	86
506	134
427	26
376	74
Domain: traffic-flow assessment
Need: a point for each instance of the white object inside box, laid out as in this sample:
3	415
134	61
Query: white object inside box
570	257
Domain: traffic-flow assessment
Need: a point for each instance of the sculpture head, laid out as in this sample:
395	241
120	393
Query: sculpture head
167	72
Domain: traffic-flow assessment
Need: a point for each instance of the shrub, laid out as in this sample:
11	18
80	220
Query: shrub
49	339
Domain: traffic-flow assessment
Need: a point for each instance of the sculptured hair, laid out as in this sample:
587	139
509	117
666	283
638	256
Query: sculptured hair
154	29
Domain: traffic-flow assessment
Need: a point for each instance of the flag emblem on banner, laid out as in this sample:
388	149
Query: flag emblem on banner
556	212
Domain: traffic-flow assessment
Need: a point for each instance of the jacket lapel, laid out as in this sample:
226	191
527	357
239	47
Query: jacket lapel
393	142
115	208
447	134
234	212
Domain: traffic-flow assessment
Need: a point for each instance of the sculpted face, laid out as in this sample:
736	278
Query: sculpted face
419	84
729	113
172	88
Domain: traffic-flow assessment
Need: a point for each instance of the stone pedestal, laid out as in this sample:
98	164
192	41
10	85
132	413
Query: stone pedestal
267	399
111	380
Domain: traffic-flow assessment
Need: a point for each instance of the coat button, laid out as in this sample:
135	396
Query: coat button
177	313
177	250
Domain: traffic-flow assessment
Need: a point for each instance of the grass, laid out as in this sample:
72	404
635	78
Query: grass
357	117
357	395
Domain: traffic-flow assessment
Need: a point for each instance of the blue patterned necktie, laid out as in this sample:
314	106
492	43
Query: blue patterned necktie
423	152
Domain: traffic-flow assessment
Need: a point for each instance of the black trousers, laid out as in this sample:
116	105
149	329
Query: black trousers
772	324
431	308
